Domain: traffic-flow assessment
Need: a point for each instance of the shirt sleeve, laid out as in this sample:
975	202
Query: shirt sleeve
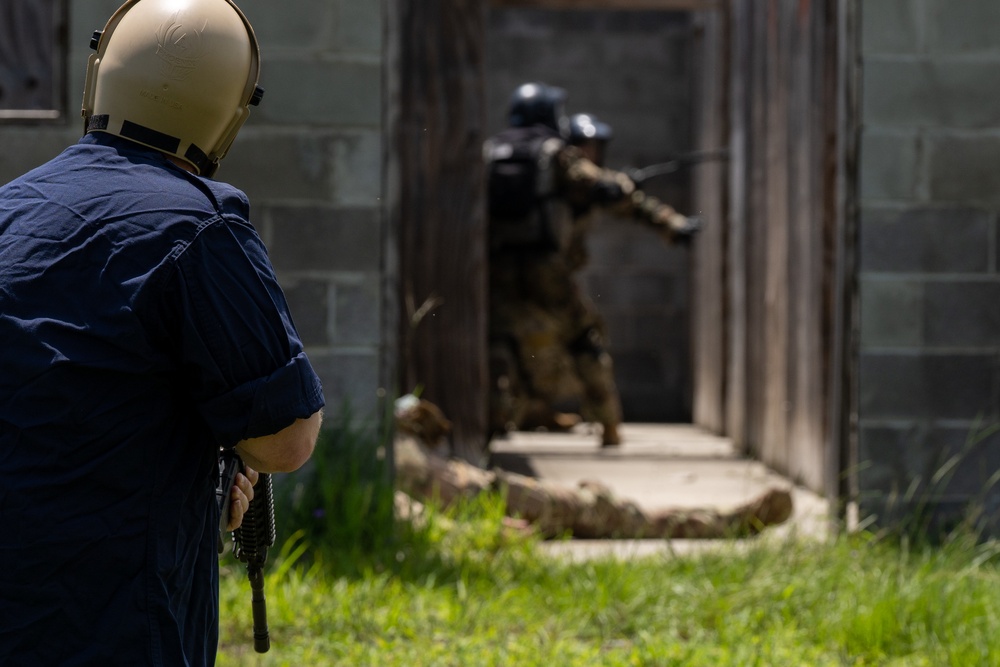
241	357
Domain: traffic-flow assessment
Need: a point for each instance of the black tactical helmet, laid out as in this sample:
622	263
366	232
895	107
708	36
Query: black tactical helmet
538	104
585	127
591	135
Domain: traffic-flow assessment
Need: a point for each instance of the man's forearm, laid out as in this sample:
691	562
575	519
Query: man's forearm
285	450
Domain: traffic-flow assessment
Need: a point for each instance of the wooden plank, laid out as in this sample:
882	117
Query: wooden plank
710	329
775	325
762	89
789	239
842	460
665	5
737	271
806	419
437	131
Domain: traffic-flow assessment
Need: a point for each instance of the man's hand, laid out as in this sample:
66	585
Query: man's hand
240	496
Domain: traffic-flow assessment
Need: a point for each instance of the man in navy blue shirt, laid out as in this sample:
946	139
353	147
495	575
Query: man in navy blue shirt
142	329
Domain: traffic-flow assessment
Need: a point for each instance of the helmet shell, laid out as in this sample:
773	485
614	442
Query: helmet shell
174	75
591	135
586	127
538	104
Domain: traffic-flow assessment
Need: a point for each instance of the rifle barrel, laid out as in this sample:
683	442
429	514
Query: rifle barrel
261	633
676	162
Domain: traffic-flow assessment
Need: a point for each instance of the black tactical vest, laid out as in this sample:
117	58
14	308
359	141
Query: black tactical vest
521	181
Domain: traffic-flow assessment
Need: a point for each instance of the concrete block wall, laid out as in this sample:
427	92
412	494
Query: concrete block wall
633	70
929	372
310	161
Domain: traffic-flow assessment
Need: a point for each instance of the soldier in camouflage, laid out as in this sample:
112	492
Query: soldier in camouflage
548	344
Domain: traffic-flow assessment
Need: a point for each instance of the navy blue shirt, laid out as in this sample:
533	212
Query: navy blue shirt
141	327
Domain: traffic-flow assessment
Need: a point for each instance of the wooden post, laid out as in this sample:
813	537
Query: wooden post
710	324
435	83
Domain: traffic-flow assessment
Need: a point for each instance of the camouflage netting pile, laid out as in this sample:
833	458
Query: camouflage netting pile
589	511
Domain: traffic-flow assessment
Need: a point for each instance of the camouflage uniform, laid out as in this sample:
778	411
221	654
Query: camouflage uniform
548	342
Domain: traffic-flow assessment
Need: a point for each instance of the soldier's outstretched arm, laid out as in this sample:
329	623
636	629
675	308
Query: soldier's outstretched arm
587	184
584	184
673	226
676	227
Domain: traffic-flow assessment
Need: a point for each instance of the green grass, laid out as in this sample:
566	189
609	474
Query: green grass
348	586
464	591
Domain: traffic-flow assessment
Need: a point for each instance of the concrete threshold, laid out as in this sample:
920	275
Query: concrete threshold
658	466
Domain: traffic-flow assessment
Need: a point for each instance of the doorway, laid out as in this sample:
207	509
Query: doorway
633	70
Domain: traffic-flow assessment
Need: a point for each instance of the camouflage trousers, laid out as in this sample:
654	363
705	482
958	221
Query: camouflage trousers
547	349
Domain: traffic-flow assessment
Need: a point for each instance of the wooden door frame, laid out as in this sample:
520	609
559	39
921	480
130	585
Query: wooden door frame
842	353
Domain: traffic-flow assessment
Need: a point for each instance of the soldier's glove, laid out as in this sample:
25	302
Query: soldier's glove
612	187
677	228
607	192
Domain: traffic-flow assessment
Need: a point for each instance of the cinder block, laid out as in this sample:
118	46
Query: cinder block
570	51
26	147
359	26
892	313
325	239
928	460
91	10
270	166
350	381
635	23
536	23
633	289
925	239
655	403
616	242
639	367
895	93
632	329
959	93
328	92
649	135
85	16
665	44
277	26
963	314
890	165
995	262
658	331
357	170
356	312
927	386
964	169
890	27
308	305
935	520
963	27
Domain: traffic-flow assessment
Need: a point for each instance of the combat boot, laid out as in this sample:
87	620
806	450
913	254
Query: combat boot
610	436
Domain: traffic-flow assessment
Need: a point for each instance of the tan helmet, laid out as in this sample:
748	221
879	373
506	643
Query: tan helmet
175	75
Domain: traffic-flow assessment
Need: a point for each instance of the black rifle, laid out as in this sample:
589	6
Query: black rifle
639	176
251	540
229	465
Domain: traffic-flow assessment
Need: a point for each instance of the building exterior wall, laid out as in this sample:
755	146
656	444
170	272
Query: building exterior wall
310	160
929	255
632	69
